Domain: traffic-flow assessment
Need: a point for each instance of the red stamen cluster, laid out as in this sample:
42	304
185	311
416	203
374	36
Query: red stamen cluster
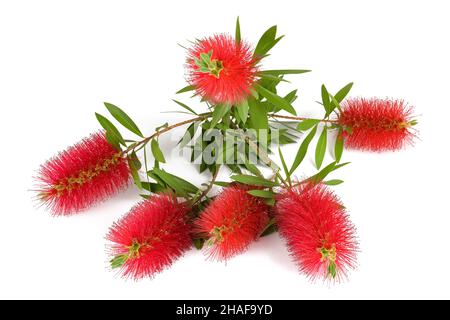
88	172
150	237
232	222
376	124
221	70
318	232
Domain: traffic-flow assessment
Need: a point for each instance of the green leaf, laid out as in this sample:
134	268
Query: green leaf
339	146
325	171
186	89
185	106
252	180
285	71
291	96
333	182
341	94
242	109
275	99
283	163
321	147
222	183
334	103
219	112
237	36
252	168
134	168
307	124
156	150
112	139
110	128
265	43
326	101
262	193
301	153
189	134
270	228
178	184
123	119
258	115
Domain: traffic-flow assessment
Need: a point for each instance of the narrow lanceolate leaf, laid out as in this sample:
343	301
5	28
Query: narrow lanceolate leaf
270	228
275	99
326	101
252	180
188	135
258	115
303	149
221	183
341	94
242	110
178	184
265	43
219	112
291	96
285	71
123	118
307	124
333	182
318	177
186	89
262	193
185	106
283	163
335	103
132	164
237	36
156	150
321	147
339	146
110	128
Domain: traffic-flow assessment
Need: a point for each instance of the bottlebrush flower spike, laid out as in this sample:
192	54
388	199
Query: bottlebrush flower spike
376	124
232	222
318	232
150	237
221	70
88	172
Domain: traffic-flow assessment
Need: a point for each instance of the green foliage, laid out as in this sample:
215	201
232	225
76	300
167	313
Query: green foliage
123	119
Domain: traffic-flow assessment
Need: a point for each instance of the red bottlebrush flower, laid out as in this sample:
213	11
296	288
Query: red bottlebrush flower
84	174
232	222
150	237
318	232
221	70
376	124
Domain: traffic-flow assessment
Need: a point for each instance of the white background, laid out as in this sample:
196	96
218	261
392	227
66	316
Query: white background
59	60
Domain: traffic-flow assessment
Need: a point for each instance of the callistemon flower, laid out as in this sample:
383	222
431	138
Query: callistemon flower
150	237
376	124
90	171
232	221
221	70
318	232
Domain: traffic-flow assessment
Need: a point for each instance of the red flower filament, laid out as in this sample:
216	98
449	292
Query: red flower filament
318	232
232	222
376	124
150	237
221	70
88	172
